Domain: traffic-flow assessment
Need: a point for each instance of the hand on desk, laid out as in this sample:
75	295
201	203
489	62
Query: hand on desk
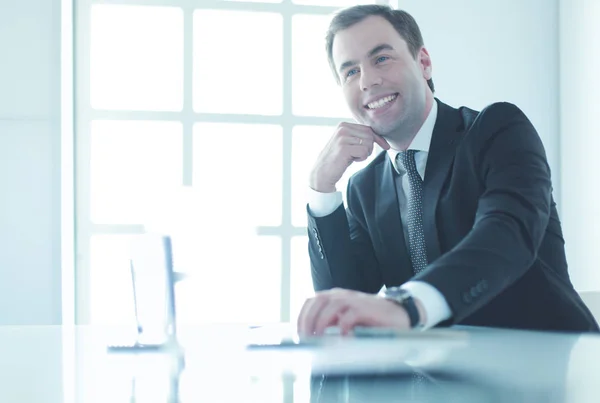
347	309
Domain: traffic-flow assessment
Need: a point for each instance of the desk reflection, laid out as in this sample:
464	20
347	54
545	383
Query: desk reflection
166	372
495	367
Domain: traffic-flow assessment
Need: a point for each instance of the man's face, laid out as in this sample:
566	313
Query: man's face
385	87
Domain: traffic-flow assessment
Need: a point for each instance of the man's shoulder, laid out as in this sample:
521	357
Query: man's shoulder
498	121
494	114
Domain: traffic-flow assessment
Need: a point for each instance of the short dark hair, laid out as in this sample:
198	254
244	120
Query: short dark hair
402	22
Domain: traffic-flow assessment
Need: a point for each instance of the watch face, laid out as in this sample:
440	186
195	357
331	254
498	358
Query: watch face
397	293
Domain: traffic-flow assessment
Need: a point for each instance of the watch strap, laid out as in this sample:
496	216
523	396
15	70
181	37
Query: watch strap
403	298
412	311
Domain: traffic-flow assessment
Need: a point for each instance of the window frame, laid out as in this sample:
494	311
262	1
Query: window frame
85	114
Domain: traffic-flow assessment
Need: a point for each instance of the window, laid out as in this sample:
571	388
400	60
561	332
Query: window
201	119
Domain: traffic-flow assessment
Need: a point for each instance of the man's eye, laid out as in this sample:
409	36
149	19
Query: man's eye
351	72
381	59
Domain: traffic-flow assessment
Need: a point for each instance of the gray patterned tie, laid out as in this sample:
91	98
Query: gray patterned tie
414	218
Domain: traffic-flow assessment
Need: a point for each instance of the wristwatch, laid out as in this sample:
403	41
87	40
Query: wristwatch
403	298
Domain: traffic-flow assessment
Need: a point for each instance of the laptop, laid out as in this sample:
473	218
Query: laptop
153	279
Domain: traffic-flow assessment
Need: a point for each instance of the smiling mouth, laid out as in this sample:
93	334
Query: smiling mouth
381	102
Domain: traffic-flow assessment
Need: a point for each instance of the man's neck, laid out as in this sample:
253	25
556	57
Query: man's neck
402	140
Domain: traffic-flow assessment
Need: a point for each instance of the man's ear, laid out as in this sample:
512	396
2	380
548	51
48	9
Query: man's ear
425	63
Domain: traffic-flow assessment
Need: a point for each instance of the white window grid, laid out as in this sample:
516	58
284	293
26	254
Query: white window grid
85	114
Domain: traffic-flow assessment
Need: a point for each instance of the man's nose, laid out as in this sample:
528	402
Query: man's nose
369	78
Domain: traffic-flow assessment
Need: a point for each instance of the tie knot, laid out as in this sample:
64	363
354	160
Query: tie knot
406	159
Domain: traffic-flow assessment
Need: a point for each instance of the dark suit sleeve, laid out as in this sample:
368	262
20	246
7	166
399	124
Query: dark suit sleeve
341	252
511	218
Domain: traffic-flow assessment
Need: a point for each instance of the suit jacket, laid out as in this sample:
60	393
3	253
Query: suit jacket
494	241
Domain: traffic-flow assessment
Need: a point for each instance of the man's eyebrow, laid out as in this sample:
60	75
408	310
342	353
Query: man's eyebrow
347	64
379	48
374	51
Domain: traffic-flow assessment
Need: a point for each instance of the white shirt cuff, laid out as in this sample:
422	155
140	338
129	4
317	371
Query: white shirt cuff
434	303
323	204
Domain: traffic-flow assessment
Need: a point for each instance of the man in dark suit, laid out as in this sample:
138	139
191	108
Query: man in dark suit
455	218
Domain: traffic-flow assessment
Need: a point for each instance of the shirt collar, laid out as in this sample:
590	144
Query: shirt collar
422	140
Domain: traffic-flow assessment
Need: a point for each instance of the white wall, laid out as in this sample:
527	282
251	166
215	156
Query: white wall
30	219
580	138
489	51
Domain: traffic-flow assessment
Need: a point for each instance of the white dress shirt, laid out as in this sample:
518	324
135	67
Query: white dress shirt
322	204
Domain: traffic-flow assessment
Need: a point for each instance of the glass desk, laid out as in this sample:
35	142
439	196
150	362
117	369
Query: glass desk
215	364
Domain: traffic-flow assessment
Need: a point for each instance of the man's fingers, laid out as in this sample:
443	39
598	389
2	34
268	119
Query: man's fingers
340	152
311	309
347	321
381	141
302	314
329	315
356	138
359	130
359	153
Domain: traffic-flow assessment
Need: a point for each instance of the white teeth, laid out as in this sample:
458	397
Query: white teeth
380	102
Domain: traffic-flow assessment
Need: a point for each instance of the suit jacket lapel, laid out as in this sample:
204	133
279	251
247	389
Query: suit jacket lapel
446	133
390	226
